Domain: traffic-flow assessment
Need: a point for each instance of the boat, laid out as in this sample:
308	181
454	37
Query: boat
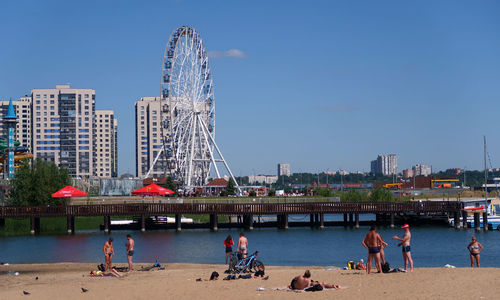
480	206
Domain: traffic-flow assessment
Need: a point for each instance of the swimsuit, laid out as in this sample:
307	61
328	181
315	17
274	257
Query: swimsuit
130	253
292	284
229	249
373	250
111	253
474	254
405	248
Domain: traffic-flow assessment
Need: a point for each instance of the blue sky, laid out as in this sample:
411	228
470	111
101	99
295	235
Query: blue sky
322	85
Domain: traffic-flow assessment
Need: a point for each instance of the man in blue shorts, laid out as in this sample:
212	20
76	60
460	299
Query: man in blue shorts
372	241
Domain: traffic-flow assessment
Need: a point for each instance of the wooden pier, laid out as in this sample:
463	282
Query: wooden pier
385	212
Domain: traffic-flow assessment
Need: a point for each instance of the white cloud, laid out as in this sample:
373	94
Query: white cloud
233	53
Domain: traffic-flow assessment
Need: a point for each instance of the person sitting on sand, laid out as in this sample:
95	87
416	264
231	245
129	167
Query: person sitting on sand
360	265
112	272
303	281
475	249
260	272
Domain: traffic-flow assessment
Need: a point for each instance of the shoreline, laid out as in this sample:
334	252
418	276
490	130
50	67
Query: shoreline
178	281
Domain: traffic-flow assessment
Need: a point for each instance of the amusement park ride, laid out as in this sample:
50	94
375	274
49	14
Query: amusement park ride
189	149
11	154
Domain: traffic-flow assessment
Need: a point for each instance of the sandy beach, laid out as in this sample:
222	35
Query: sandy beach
178	281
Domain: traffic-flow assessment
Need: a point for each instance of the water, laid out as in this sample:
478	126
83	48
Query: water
431	246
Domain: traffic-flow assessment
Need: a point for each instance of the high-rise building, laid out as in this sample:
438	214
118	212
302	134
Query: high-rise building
422	170
66	130
283	169
23	126
148	137
385	164
105	138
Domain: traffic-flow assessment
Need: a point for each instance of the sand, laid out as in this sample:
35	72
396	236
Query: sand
178	281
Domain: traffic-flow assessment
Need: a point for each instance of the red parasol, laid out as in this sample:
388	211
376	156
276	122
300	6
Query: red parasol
69	191
152	190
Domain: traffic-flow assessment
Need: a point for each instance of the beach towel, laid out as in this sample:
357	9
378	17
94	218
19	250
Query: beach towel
108	275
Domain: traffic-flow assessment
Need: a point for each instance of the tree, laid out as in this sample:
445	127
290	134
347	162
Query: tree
381	195
169	184
34	184
231	187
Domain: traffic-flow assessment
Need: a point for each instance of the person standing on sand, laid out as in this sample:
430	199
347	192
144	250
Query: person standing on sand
405	246
130	251
228	244
382	252
109	252
475	248
372	241
242	245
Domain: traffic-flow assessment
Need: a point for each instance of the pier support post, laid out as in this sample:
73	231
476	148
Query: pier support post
477	224
35	225
464	219
213	222
285	216
248	221
311	219
2	222
485	221
456	219
322	221
178	224
143	223
345	220
107	223
392	220
71	224
356	217
351	219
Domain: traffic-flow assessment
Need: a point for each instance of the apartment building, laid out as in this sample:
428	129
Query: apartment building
105	140
23	126
283	169
385	164
148	137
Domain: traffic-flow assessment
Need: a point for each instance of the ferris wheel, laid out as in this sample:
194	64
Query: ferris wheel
188	112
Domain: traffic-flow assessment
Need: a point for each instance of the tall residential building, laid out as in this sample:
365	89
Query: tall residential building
385	164
422	170
105	139
23	126
148	137
283	169
63	127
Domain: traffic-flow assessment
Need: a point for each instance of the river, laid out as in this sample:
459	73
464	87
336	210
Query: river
333	246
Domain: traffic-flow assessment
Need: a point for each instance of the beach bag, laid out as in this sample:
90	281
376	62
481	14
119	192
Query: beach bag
350	265
386	268
315	288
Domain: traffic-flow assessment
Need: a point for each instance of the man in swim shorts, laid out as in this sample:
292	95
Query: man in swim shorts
372	241
242	245
405	246
109	252
130	251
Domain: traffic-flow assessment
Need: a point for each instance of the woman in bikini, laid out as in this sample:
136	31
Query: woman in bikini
475	249
99	273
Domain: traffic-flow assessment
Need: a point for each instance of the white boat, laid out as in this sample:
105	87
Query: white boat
480	206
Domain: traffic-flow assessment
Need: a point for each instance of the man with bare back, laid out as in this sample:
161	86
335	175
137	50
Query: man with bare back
405	246
242	245
372	242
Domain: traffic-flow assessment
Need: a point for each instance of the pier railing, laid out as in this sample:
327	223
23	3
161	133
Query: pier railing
229	209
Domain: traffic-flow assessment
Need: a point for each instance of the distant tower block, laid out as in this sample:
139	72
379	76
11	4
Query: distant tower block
283	169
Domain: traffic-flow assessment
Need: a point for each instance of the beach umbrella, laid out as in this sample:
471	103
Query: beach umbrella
153	190
69	191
